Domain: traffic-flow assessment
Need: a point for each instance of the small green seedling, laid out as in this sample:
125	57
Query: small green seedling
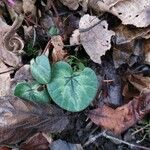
72	90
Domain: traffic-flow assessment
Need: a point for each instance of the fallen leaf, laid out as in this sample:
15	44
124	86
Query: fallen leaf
146	47
29	7
95	37
11	44
120	119
126	34
5	148
64	145
21	119
58	52
71	4
4	79
75	38
141	83
133	12
36	142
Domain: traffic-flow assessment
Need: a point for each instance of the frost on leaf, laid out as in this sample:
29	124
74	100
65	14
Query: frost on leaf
134	12
95	37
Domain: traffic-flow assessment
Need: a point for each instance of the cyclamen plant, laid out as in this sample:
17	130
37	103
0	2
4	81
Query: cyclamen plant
71	90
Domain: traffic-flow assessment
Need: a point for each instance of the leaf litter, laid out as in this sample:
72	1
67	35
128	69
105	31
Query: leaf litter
110	37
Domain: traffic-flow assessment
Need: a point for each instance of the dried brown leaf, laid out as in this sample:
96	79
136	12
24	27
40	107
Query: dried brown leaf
95	37
133	12
141	83
36	142
58	52
20	119
120	119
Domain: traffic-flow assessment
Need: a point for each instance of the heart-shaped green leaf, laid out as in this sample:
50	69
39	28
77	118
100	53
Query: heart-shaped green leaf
32	91
72	91
40	69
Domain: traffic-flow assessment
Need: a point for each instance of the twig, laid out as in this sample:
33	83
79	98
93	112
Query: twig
140	129
124	142
91	140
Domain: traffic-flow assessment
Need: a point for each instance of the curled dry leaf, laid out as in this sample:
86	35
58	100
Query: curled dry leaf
4	79
71	4
11	44
95	37
20	119
36	142
58	52
133	12
140	83
120	119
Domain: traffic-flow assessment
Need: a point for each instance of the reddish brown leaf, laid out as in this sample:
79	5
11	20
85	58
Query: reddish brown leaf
37	142
58	52
5	148
120	119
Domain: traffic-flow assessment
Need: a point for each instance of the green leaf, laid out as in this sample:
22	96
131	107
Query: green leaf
72	91
40	69
53	31
32	91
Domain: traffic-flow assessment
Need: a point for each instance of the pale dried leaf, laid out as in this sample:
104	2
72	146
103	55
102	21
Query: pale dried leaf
120	119
146	47
21	119
95	37
4	79
133	12
71	4
29	7
64	145
75	38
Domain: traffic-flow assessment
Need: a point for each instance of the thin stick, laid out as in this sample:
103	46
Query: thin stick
124	142
91	140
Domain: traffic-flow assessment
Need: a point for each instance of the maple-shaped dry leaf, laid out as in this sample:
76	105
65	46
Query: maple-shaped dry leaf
58	52
95	37
141	83
120	119
20	119
10	43
133	12
5	79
